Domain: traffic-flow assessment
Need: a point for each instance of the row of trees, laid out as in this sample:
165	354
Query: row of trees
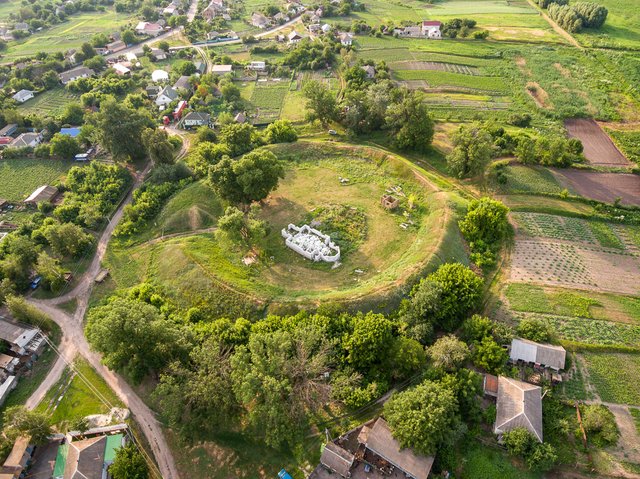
579	15
369	106
475	144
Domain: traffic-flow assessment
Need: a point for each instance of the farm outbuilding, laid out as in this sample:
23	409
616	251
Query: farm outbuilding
546	355
23	95
159	76
42	194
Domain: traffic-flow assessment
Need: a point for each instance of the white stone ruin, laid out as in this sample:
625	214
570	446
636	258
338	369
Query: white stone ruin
311	243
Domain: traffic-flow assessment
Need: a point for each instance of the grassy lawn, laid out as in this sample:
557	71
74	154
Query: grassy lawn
71	34
50	102
483	462
615	376
21	176
546	205
206	268
78	400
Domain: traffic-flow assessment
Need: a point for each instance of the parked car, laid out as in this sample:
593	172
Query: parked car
36	282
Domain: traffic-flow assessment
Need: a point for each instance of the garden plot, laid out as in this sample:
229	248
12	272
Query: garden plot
551	263
438	66
51	102
606	187
554	227
598	147
267	99
615	376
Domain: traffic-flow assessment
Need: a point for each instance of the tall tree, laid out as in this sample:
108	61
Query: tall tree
20	420
133	337
251	178
119	128
472	150
410	123
158	147
425	417
321	102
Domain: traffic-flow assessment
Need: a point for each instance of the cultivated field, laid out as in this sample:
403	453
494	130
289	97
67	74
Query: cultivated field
605	187
615	376
598	147
267	99
21	176
573	253
51	102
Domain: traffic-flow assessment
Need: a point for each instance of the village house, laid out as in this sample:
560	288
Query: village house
121	70
294	37
519	404
158	54
221	69
281	18
326	28
131	57
371	452
431	29
240	118
76	73
26	140
259	20
258	66
182	83
370	71
215	8
21	27
346	39
196	118
537	354
313	27
166	96
148	28
23	95
18	460
212	35
170	10
201	67
116	46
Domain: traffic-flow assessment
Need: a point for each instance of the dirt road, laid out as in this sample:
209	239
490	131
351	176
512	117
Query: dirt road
560	31
74	342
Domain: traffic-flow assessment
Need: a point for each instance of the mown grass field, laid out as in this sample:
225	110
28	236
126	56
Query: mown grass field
528	179
21	176
50	102
78	400
80	28
206	267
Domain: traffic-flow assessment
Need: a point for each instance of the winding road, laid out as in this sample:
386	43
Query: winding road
74	342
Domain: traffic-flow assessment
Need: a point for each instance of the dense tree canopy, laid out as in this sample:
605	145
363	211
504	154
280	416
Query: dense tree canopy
424	417
251	178
129	464
472	150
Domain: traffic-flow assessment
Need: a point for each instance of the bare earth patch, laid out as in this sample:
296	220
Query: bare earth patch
598	147
602	186
556	263
563	71
539	95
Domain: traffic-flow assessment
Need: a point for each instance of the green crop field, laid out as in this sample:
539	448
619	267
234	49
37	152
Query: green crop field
21	176
51	102
615	376
450	79
529	179
71	34
628	142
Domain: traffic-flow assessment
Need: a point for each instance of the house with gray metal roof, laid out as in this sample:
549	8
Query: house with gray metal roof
519	404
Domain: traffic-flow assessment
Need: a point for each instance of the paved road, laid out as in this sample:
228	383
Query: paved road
73	341
193	9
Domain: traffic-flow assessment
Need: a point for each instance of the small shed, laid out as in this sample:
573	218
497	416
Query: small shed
545	355
389	202
42	194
